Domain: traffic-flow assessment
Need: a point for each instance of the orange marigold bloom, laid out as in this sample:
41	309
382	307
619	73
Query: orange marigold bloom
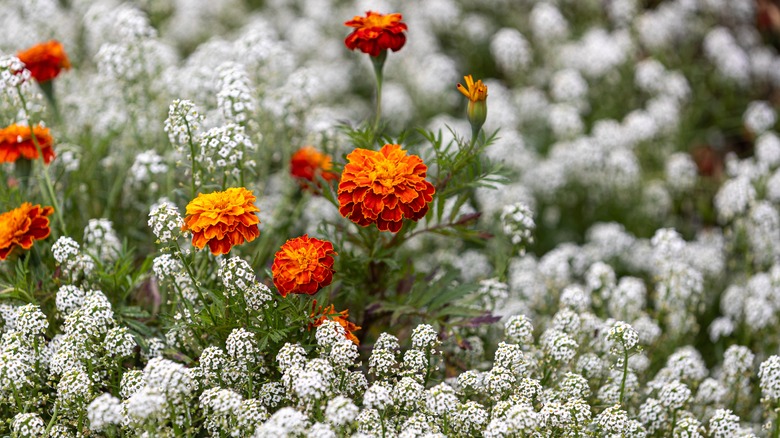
303	265
17	141
21	226
222	219
384	187
376	32
307	162
45	60
329	312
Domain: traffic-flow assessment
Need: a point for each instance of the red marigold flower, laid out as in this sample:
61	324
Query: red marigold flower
307	162
376	32
303	265
45	60
341	317
384	188
17	140
21	226
222	219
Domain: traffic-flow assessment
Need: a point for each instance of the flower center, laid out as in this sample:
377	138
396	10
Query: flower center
303	257
385	173
378	20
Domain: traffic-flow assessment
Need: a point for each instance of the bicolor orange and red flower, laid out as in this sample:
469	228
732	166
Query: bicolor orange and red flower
21	226
384	187
45	60
325	313
222	220
17	141
376	32
303	265
307	163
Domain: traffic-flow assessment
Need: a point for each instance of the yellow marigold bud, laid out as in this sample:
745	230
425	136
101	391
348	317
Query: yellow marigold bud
477	94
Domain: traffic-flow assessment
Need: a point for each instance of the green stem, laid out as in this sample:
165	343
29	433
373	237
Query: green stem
379	63
625	375
52	421
192	160
195	282
776	426
48	186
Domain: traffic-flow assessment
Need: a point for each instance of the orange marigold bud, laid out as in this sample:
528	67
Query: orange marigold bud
17	141
384	188
307	162
45	60
222	219
325	313
376	32
21	226
303	265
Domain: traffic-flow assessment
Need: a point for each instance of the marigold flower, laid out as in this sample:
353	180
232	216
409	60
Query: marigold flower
325	313
45	60
222	219
376	32
21	226
17	141
307	163
477	94
384	188
303	265
475	91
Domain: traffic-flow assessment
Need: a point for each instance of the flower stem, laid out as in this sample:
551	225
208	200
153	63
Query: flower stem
776	426
48	186
379	63
625	374
192	159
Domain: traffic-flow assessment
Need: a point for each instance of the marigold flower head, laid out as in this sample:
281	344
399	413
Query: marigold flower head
17	141
329	313
307	163
45	60
384	187
477	94
21	226
222	219
475	91
376	32
303	265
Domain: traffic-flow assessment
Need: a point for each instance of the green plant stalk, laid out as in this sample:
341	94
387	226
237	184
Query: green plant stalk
194	280
48	186
192	159
776	426
625	375
379	63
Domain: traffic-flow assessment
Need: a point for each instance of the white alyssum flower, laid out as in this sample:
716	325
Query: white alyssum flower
759	117
511	50
425	337
183	124
104	410
165	222
28	425
341	411
518	329
724	424
622	337
518	224
674	395
769	378
101	241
